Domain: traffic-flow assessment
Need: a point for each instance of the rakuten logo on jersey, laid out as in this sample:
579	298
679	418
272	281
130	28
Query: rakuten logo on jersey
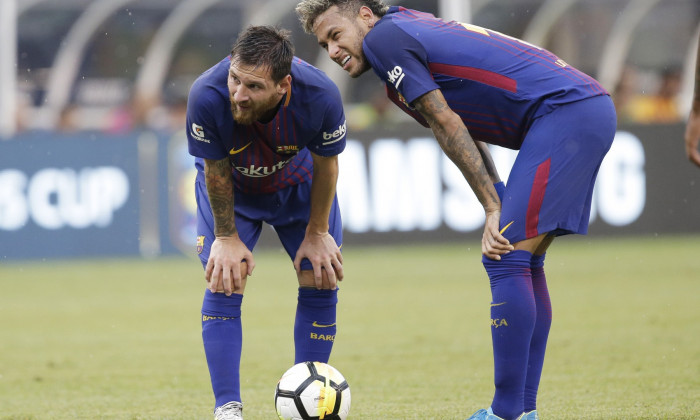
262	171
396	76
335	136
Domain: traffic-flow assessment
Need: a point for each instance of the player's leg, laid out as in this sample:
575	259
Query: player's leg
513	305
543	321
222	336
315	320
520	320
513	316
511	299
222	333
540	335
548	194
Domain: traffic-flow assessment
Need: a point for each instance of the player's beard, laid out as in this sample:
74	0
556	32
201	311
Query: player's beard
361	64
255	111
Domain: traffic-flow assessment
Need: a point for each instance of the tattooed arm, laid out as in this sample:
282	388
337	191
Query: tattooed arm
462	149
488	161
230	260
217	174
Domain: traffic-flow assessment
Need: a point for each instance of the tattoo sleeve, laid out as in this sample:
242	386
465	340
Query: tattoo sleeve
219	180
488	161
459	146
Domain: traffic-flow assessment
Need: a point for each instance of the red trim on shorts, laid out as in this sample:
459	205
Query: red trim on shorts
539	186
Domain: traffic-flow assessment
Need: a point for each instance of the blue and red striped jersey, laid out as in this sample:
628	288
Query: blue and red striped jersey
266	157
496	83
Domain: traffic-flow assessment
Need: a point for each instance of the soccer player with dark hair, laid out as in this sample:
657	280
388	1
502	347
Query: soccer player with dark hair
472	86
266	129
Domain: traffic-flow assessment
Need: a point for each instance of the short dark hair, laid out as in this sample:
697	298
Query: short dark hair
309	10
265	46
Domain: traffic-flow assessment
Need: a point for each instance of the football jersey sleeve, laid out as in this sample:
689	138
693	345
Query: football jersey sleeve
203	137
330	140
399	60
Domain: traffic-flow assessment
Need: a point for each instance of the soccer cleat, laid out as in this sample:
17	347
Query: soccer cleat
530	415
230	411
487	414
484	414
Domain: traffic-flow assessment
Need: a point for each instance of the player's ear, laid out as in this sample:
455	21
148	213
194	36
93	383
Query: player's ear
284	85
367	16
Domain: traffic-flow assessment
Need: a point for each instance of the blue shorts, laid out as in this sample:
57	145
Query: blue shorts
550	186
286	210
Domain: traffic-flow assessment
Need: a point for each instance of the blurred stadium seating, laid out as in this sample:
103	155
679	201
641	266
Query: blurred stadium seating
113	65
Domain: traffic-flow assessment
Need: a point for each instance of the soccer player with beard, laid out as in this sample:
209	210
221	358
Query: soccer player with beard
472	86
266	129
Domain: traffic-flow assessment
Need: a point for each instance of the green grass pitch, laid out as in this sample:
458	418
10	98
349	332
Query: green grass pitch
120	339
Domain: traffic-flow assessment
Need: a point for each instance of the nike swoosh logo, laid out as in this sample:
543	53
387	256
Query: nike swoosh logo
506	227
234	151
498	304
316	324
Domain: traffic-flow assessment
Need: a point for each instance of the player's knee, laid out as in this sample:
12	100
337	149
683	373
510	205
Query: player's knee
244	279
538	244
306	279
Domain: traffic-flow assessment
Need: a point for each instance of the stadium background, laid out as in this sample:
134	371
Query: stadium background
93	157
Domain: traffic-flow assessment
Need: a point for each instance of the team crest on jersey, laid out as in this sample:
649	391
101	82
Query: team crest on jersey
200	244
288	149
403	100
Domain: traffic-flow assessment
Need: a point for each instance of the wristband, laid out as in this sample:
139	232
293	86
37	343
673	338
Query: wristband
500	189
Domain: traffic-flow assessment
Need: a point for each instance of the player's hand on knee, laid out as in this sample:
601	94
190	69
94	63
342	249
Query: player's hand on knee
230	262
493	243
329	277
325	257
321	277
307	278
329	272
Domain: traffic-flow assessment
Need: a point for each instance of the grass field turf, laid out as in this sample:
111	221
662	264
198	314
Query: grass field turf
120	339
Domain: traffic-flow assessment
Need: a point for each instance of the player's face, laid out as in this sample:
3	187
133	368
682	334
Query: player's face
342	37
253	94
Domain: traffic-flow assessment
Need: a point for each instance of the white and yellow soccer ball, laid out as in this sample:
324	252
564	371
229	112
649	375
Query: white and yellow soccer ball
312	391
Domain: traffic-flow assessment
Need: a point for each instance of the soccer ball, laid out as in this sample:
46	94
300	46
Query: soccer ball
312	391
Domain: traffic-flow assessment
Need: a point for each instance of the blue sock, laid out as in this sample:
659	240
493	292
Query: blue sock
538	344
314	328
222	335
512	322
